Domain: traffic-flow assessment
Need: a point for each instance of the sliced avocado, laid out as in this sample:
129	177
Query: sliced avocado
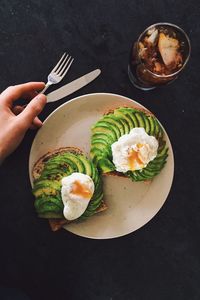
140	117
123	115
61	162
147	124
75	159
49	206
92	207
112	119
111	126
105	130
39	183
125	124
136	122
40	201
98	187
163	151
152	125
158	130
47	191
132	116
135	176
95	174
47	188
105	165
152	169
129	118
156	167
87	165
108	139
100	150
99	140
90	170
54	175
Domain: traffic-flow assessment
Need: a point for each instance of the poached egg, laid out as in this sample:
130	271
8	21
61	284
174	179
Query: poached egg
134	151
76	192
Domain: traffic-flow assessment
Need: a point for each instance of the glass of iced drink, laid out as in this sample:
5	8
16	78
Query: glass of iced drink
158	56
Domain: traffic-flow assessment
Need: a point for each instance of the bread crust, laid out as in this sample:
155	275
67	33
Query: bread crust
57	224
147	112
39	165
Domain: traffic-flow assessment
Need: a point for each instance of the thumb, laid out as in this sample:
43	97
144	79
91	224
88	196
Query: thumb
31	111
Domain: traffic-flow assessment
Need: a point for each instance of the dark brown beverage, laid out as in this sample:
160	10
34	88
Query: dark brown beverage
158	56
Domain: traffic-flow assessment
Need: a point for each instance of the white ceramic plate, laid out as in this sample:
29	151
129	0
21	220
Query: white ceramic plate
131	204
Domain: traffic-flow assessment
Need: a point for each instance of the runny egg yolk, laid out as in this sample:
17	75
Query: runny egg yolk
133	151
77	190
81	190
134	157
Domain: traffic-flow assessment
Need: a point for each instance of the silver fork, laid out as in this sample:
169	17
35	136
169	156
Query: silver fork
59	71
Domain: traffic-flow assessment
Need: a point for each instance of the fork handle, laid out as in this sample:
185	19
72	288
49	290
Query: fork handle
45	88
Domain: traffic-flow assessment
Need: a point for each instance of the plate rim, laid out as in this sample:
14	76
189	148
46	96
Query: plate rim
120	97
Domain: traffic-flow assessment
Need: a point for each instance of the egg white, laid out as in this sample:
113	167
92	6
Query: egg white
75	205
129	142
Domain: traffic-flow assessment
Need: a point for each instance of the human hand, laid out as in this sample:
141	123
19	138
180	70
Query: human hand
15	120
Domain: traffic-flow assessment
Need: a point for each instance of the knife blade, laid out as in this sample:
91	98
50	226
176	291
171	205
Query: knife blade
73	86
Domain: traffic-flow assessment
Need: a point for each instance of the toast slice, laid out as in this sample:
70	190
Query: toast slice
111	111
57	223
116	123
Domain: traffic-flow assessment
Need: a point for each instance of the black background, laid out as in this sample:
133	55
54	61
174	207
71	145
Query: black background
162	259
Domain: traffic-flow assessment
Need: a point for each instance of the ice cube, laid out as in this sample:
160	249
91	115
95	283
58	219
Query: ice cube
152	37
151	30
157	67
142	50
168	48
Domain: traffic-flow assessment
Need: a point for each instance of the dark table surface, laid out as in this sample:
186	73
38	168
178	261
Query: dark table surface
159	261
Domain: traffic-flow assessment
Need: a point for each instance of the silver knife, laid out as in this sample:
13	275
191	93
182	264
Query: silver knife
73	86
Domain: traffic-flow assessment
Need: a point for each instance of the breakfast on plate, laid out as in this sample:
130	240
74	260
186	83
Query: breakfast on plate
129	142
125	141
67	187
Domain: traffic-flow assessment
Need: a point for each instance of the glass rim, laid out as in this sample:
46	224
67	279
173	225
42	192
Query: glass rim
187	39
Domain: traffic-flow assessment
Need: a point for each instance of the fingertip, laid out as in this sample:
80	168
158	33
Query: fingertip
42	84
37	123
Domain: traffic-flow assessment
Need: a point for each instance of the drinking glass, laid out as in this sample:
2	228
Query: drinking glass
158	56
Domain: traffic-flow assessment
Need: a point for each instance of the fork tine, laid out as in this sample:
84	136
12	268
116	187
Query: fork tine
56	66
67	66
62	65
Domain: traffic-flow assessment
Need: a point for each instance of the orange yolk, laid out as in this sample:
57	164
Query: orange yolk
134	157
81	190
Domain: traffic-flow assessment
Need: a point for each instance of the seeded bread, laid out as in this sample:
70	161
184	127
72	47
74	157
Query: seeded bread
117	122
55	223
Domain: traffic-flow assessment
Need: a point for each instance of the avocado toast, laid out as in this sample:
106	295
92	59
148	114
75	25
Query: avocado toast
48	173
118	123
